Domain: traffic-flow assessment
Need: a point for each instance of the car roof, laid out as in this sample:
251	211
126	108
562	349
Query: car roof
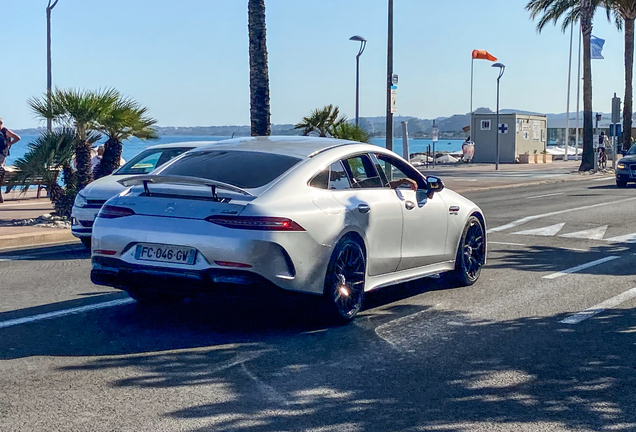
299	146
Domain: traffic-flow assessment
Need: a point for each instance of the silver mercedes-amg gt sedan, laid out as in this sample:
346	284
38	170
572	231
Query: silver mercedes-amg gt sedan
305	214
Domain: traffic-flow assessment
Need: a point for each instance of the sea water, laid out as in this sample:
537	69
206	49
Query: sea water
134	146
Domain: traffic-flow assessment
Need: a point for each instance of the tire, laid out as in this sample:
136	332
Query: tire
471	254
621	183
86	241
344	282
148	297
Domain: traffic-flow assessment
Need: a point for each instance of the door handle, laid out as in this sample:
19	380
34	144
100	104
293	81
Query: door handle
410	205
364	208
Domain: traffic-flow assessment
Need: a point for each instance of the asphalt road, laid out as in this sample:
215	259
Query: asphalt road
543	342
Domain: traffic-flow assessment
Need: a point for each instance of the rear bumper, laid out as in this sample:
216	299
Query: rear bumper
223	282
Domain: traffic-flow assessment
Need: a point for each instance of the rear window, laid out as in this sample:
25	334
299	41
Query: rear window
239	168
150	159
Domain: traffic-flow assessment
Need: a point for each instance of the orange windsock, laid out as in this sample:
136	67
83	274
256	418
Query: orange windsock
483	54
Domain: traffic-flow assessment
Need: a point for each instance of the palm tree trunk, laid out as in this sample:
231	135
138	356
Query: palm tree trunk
83	160
259	76
110	159
587	161
629	75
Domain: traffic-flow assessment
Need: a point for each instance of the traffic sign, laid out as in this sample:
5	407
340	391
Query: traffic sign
618	132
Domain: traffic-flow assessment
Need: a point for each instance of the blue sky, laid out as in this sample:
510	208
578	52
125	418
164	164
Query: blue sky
187	60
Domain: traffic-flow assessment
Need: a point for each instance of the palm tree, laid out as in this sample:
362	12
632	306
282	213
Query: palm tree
322	120
626	9
48	156
573	11
79	110
259	76
350	131
124	119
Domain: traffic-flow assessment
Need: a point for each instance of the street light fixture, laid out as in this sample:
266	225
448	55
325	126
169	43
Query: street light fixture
502	68
363	44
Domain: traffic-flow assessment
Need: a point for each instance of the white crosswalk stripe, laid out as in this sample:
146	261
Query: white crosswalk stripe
629	238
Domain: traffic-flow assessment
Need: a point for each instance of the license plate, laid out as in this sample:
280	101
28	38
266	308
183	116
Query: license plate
165	253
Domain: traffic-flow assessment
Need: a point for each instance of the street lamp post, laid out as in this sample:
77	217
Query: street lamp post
502	68
49	8
363	44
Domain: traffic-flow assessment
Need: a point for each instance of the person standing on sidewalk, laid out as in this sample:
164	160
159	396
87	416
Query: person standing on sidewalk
7	139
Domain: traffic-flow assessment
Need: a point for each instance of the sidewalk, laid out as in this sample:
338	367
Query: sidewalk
461	178
464	178
17	206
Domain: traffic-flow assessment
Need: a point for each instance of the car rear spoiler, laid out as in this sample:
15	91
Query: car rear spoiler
158	179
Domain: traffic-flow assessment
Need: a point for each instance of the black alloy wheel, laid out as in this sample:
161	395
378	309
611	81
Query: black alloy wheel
471	254
344	282
86	241
621	183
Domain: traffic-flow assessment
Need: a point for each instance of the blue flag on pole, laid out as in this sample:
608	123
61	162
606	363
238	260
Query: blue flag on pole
596	46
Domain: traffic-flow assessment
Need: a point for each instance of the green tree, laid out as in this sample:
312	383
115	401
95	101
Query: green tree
124	119
259	75
322	120
626	10
573	11
351	132
79	110
48	156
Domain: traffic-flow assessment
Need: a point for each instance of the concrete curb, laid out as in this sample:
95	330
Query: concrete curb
36	238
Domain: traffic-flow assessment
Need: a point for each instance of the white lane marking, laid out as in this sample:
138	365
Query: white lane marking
629	238
268	391
594	310
24	204
604	178
505	243
591	234
546	195
14	258
65	312
548	231
521	221
580	267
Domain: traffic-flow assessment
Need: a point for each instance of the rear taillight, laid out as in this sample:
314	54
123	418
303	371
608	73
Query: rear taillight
256	223
114	212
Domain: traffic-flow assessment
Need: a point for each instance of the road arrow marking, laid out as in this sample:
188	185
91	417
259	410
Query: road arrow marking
521	221
549	231
580	267
591	234
594	310
629	238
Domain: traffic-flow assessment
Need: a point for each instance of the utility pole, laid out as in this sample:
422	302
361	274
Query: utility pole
49	8
389	81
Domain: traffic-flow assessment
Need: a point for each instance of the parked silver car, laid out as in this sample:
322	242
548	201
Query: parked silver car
89	200
313	215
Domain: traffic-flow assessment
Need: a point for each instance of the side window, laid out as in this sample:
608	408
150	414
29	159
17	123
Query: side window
338	178
320	180
363	173
394	170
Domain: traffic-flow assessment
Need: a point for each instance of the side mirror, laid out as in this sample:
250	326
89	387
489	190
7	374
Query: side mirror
435	184
623	152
